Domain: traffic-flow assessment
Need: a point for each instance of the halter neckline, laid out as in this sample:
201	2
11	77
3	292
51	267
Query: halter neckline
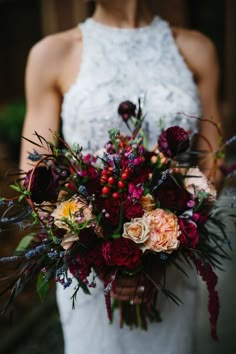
106	29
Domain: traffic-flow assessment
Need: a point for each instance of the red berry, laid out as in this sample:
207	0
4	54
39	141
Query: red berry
105	190
121	184
124	175
103	179
111	180
116	195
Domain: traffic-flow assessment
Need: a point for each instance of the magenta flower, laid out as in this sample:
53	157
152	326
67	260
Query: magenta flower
135	191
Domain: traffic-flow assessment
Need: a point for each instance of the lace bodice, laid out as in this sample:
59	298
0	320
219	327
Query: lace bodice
127	64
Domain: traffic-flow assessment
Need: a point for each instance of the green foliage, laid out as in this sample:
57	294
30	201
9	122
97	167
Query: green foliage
11	123
25	242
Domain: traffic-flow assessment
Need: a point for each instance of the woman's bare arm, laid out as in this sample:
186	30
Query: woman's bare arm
200	55
42	98
52	67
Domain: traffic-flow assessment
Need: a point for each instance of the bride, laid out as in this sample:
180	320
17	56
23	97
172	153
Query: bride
78	78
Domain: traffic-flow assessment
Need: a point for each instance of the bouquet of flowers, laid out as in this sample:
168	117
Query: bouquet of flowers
125	211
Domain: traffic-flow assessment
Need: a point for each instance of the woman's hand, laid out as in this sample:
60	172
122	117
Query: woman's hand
128	288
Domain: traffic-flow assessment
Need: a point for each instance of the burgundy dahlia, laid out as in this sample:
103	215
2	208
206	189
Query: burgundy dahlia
126	110
173	141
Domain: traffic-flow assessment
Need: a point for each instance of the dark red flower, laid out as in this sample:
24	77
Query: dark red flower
121	252
172	196
189	233
111	207
80	267
132	209
199	218
173	141
44	185
126	110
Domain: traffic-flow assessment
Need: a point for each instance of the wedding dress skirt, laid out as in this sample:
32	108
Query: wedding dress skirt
87	329
118	65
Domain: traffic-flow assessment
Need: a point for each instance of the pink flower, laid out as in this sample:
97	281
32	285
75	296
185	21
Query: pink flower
164	231
136	191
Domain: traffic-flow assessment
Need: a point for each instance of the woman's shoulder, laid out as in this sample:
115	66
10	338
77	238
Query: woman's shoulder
197	49
56	47
51	58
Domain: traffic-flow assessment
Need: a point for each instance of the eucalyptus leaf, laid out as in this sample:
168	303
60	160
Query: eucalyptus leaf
24	243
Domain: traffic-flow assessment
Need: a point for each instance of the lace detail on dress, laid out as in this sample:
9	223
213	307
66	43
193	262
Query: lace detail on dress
120	64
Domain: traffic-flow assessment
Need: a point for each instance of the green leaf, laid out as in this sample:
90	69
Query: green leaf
42	286
24	243
16	187
116	236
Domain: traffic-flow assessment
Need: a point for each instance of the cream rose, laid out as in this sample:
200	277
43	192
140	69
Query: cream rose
137	230
164	231
198	182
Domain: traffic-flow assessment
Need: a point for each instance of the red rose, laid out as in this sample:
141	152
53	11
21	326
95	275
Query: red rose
121	252
189	233
172	196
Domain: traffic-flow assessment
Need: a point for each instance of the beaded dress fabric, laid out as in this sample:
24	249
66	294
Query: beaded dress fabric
128	64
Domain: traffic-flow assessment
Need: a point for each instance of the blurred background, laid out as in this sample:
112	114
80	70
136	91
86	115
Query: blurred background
34	327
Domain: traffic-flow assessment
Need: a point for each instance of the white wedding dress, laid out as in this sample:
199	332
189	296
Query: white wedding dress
117	65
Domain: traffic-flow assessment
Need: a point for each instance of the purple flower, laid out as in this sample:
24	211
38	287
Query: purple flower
126	110
173	140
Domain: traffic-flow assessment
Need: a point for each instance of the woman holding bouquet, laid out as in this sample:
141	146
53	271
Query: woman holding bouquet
123	52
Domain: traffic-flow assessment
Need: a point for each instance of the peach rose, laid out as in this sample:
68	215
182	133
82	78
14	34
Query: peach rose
147	202
198	182
74	210
164	231
137	230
